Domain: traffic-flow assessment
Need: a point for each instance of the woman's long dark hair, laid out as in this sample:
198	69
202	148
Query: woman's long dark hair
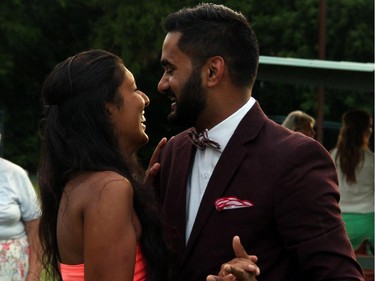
77	136
350	153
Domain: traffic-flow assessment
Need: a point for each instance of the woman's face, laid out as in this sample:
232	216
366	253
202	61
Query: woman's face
128	118
367	134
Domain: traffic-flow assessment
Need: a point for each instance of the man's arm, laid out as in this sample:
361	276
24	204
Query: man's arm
308	216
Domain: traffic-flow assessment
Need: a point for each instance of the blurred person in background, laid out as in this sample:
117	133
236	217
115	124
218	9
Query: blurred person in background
300	121
355	166
19	220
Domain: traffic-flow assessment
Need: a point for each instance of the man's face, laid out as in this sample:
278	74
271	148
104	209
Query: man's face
182	83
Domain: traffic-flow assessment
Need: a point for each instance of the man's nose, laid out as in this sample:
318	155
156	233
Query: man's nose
163	85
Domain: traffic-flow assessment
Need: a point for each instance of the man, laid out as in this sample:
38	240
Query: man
275	189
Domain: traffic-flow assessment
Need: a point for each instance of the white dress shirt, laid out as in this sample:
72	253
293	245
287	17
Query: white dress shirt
205	162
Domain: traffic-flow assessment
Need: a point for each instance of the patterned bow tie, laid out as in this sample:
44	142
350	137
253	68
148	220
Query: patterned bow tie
201	140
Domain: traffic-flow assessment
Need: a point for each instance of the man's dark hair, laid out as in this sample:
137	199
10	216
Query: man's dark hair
215	30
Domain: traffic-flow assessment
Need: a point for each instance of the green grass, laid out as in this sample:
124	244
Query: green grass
34	181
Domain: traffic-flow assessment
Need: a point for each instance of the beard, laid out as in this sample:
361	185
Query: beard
191	102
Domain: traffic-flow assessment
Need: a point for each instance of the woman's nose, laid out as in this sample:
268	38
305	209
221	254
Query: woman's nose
146	99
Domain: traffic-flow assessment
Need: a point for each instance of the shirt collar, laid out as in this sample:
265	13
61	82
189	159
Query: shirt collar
223	131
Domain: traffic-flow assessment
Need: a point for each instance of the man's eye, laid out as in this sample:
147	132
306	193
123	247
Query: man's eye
169	70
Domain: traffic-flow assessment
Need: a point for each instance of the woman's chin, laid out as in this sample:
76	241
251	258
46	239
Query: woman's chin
145	139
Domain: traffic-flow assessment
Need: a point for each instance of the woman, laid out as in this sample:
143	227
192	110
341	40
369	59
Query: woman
19	219
300	121
98	220
355	166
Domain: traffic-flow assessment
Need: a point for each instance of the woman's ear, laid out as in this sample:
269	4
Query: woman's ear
214	69
110	107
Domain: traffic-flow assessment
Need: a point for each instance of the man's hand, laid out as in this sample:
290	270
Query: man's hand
154	166
241	268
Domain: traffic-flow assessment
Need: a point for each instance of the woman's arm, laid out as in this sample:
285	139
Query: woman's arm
109	234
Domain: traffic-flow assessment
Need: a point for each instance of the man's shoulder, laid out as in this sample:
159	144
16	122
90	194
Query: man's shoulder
276	141
279	135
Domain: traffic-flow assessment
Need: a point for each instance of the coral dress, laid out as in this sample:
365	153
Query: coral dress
76	272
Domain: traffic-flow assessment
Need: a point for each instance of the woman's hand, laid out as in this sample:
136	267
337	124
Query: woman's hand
154	166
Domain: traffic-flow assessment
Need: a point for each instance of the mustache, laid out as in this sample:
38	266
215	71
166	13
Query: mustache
171	96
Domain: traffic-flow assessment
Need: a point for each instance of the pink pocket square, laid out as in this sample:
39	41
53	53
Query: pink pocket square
232	202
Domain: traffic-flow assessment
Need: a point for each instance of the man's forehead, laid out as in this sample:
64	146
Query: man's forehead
171	41
170	48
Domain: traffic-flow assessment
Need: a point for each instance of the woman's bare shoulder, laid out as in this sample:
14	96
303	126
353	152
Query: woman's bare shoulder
97	180
109	182
97	186
93	203
104	177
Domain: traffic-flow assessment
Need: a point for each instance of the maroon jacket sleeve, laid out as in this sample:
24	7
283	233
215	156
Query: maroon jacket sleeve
308	217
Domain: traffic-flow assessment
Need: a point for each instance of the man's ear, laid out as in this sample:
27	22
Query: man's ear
214	69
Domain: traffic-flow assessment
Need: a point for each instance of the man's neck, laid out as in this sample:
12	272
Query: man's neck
219	110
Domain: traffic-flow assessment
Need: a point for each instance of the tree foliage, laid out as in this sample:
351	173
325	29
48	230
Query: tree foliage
35	35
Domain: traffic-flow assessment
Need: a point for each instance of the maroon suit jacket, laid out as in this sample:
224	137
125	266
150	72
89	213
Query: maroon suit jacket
295	225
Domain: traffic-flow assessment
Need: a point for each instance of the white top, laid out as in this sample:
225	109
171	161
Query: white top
205	162
358	197
18	200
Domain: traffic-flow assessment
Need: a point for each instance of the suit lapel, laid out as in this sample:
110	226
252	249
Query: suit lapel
234	154
175	203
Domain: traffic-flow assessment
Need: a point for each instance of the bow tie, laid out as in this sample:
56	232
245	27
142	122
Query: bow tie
201	140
